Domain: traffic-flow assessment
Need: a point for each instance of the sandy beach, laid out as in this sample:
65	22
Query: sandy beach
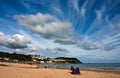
14	70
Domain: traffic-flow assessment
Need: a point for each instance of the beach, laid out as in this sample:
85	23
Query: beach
15	70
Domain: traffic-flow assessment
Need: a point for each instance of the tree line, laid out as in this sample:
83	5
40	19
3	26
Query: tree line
14	56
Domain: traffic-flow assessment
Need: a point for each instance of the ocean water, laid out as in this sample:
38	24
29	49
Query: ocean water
101	66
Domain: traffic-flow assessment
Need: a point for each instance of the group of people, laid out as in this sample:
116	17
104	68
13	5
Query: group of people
75	71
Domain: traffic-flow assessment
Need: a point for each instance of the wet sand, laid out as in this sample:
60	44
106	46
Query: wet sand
14	70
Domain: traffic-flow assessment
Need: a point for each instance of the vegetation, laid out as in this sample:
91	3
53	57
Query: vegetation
69	60
3	65
15	56
21	57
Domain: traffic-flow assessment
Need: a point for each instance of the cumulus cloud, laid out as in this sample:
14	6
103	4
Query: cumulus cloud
48	26
45	25
14	41
33	20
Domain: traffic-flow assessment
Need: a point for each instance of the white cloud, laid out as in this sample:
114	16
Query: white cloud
60	49
57	10
46	25
14	41
57	50
116	22
33	20
83	8
33	50
99	13
83	11
25	4
75	4
89	46
17	51
1	34
65	41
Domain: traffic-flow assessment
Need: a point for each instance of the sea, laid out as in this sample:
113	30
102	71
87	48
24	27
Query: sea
91	66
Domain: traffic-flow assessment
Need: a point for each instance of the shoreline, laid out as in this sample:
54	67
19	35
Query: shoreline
68	68
99	70
91	69
31	71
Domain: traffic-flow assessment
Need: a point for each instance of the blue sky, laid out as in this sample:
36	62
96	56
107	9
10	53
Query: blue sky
86	29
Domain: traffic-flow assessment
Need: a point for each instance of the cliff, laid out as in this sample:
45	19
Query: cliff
67	60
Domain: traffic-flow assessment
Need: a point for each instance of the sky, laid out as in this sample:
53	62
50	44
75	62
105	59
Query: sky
85	29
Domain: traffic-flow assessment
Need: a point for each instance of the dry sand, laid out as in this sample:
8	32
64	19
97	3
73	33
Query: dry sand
14	70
